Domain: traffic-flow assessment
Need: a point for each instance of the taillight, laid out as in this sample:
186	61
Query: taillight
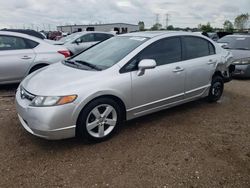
66	53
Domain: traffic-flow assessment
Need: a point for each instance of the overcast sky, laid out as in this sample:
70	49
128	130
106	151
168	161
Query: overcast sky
183	13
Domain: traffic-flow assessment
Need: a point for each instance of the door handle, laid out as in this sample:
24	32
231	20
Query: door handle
178	69
26	57
211	62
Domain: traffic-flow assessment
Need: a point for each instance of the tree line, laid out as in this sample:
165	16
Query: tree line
241	22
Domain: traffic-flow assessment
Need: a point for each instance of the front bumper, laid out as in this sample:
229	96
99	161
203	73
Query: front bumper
242	71
53	123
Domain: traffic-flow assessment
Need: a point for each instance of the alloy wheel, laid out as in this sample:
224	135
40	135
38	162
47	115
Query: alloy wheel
101	120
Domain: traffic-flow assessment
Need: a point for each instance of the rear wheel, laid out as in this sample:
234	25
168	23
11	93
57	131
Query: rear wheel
99	120
216	89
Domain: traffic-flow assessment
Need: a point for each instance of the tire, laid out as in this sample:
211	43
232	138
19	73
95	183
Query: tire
216	89
36	67
94	125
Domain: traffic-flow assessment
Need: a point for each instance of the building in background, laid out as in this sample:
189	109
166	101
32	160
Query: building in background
117	27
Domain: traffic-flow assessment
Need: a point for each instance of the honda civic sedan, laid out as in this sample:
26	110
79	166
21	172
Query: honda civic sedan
125	77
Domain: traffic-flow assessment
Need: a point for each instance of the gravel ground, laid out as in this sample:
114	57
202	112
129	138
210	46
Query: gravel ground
194	145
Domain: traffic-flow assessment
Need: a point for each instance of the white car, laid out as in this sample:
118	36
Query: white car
77	42
21	54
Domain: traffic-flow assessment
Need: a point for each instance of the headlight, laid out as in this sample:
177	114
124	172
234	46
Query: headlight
241	62
52	101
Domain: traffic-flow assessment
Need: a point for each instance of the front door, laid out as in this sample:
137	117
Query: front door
163	85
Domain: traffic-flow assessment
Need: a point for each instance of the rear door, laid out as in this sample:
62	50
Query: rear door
16	58
200	62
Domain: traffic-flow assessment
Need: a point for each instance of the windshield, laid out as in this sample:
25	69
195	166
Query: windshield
109	52
239	42
70	37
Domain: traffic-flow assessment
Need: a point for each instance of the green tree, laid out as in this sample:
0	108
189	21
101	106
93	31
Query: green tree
170	27
206	28
241	21
228	26
156	26
141	26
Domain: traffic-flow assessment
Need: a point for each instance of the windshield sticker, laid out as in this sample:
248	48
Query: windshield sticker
241	38
138	38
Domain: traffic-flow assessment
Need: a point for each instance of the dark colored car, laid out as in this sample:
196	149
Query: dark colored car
239	45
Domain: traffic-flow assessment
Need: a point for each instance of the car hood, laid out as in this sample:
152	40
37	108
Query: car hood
240	54
59	79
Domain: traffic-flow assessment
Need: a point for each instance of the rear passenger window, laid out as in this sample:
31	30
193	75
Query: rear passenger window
164	51
211	48
102	37
32	44
196	47
12	43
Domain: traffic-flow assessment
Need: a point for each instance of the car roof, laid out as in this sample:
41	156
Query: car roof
152	34
10	33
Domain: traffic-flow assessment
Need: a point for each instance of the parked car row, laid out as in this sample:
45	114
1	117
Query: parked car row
23	52
90	94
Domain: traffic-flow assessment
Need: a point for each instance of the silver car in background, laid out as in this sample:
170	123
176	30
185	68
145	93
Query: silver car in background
77	42
122	78
239	45
21	54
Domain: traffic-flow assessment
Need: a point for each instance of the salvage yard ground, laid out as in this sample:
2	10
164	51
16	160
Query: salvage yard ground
194	145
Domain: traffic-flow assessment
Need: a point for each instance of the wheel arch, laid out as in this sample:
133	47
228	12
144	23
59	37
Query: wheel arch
37	65
117	99
218	73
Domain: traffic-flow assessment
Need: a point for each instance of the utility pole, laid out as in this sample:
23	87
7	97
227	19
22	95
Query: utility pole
156	18
167	20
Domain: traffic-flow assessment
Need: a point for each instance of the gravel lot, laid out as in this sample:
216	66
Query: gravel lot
194	145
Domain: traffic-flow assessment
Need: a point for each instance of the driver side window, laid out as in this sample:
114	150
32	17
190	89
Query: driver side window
164	51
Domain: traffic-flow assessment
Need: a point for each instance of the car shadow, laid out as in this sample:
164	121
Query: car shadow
8	90
9	87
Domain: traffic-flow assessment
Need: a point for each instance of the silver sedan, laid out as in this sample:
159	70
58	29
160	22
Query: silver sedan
21	54
125	77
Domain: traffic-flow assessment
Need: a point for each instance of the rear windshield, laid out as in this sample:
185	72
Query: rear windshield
239	42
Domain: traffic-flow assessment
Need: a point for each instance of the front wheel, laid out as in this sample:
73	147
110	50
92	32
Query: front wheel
99	120
216	89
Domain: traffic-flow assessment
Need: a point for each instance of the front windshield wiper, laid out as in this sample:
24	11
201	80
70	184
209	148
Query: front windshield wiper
88	64
79	63
240	48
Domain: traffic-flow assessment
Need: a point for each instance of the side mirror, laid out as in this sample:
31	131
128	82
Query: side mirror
77	41
225	46
145	64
